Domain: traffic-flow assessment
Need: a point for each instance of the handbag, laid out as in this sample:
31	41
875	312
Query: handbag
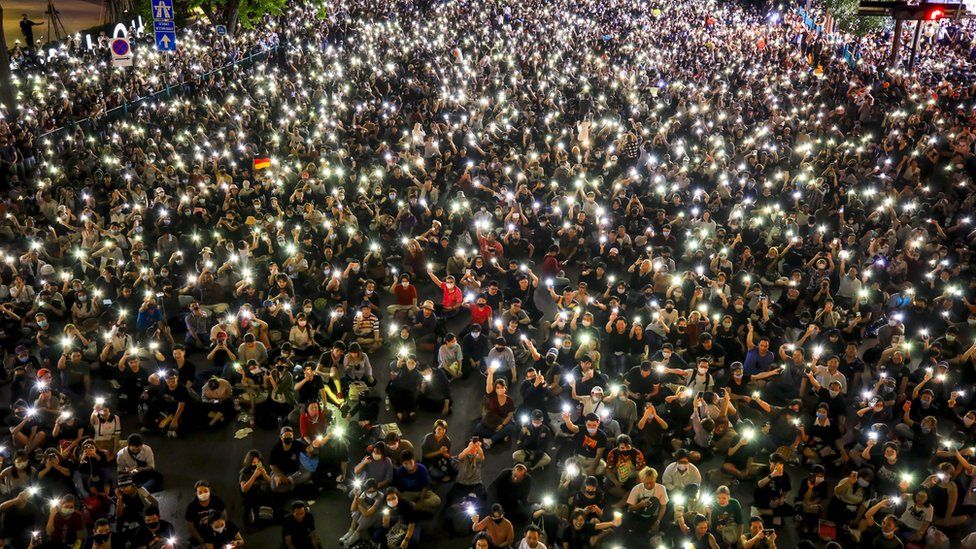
827	530
354	389
395	535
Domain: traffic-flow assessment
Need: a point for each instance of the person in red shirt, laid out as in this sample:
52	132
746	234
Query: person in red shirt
551	264
65	525
489	246
481	312
451	296
406	297
313	422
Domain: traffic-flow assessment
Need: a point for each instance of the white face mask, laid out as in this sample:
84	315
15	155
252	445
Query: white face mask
203	496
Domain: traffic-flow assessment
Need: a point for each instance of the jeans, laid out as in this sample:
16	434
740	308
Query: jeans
484	432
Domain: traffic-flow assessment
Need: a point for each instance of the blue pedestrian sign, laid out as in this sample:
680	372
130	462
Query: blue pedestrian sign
166	41
221	30
162	9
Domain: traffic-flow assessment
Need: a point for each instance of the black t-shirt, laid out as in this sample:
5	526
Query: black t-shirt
404	513
198	514
637	383
287	460
776	488
220	539
310	390
145	536
300	531
882	542
587	445
171	399
579	538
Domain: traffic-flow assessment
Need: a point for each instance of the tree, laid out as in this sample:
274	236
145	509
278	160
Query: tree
7	94
232	13
845	15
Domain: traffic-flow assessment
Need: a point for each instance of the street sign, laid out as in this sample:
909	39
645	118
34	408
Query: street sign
121	53
164	26
162	9
222	29
166	41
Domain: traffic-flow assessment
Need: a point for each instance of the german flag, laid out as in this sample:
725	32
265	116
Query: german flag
261	163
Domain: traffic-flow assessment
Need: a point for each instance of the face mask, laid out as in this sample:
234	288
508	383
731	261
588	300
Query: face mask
682	467
950	337
821	416
666	354
67	512
450	285
377	457
862	483
307	310
727	324
42	324
100	538
591	431
203	496
586	323
702	371
926	430
287	440
219	530
737	376
833	394
926	403
20	465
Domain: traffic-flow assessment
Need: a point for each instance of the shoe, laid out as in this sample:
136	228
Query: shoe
486	443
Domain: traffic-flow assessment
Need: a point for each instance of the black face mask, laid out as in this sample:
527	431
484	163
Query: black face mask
287	440
100	538
152	525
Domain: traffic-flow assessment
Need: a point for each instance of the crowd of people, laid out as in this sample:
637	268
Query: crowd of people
711	283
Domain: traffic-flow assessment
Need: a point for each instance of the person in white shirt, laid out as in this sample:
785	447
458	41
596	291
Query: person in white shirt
680	473
137	461
647	502
531	539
